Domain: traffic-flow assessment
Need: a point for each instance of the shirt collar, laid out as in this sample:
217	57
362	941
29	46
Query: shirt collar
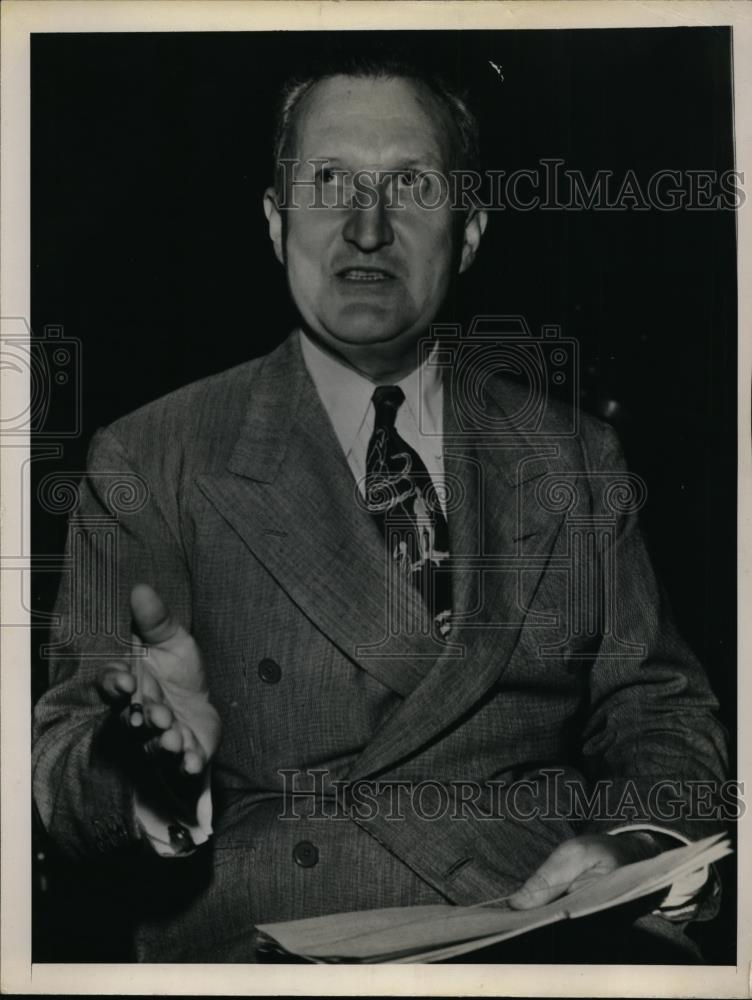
346	394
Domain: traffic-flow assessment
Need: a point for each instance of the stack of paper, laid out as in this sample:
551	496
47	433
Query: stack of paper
430	933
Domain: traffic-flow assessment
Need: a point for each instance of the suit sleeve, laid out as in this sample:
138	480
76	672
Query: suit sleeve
652	736
83	779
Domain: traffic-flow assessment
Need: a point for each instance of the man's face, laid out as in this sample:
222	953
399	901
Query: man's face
369	273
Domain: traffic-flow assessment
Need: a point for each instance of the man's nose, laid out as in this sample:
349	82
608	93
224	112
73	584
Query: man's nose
368	226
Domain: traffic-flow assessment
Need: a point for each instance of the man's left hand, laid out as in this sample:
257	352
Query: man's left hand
580	860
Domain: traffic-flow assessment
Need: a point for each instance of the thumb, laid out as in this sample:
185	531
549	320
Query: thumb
551	880
151	617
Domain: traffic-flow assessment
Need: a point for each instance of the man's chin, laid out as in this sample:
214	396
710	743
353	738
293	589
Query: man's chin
358	327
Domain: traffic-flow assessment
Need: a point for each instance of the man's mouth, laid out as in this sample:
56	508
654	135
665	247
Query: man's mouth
364	274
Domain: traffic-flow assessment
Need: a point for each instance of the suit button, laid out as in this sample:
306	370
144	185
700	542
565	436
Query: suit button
305	854
269	671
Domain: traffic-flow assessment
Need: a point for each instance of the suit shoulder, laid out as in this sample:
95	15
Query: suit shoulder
196	417
183	401
551	415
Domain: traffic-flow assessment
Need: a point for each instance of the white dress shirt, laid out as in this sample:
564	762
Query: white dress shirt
347	398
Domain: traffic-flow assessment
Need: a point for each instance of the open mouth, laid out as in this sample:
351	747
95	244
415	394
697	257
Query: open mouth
365	275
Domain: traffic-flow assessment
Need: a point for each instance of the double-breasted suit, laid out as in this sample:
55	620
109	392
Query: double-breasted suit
244	515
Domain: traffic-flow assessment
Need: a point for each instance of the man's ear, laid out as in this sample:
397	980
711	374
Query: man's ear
475	226
274	218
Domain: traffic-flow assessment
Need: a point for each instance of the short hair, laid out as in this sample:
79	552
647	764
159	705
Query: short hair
378	63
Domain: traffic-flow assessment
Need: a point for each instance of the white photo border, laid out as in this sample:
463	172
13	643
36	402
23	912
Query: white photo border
20	19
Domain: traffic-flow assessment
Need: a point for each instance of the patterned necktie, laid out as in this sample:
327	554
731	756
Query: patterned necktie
402	499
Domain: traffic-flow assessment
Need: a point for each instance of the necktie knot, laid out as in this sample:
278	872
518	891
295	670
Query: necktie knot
387	399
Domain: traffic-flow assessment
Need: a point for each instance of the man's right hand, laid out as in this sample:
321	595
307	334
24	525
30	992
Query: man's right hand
181	728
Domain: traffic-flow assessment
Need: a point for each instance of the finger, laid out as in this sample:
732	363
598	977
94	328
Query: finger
193	762
190	761
145	695
171	740
140	716
552	879
158	716
115	681
151	690
194	758
151	617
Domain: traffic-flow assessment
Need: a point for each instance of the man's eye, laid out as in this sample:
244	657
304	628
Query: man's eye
407	177
327	175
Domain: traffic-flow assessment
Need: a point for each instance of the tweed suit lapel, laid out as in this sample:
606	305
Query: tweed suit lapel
289	494
497	514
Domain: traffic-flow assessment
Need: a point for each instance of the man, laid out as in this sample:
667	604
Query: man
347	587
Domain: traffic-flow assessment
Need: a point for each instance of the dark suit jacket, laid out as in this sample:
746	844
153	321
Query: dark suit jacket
233	498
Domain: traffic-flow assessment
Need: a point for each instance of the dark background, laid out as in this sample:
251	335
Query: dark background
150	153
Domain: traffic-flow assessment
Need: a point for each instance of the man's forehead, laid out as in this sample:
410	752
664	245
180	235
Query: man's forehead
344	115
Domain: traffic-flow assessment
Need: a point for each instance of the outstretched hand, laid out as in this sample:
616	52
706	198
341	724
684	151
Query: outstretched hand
178	725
